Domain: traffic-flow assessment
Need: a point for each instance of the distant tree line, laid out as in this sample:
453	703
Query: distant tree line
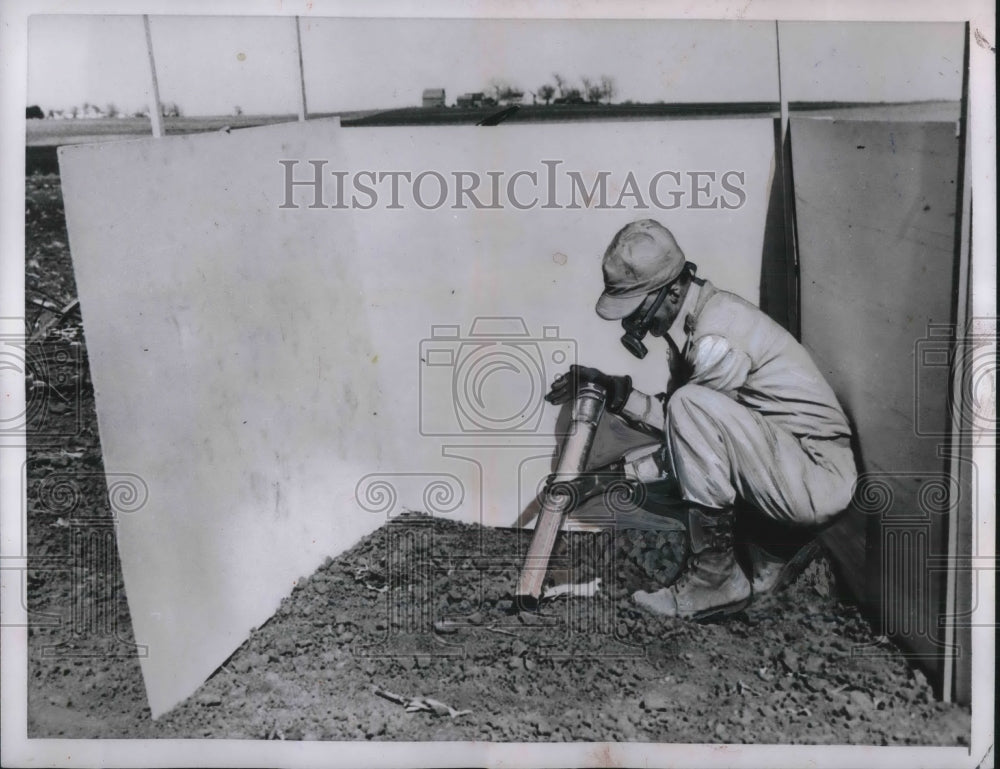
591	90
561	90
110	110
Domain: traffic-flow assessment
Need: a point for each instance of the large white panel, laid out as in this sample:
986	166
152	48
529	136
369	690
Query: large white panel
279	377
885	350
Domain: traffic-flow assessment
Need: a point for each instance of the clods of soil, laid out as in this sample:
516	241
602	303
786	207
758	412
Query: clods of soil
421	611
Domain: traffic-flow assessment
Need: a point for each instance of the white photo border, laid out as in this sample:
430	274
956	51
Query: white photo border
17	750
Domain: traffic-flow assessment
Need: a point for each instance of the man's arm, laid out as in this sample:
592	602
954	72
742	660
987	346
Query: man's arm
647	464
717	365
642	465
712	363
645	413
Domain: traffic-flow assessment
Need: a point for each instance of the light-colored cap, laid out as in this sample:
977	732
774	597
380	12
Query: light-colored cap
642	257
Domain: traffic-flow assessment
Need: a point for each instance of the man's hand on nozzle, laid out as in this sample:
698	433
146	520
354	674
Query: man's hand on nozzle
565	387
590	483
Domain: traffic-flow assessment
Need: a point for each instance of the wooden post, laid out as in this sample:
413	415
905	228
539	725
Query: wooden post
303	112
781	94
155	114
957	646
784	162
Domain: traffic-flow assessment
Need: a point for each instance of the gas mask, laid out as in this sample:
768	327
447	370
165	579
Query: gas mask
637	324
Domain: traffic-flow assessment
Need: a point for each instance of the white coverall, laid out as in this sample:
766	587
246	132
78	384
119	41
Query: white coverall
755	419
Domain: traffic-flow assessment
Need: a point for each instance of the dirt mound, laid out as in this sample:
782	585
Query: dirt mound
421	609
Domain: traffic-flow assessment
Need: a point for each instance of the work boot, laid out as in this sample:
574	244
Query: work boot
712	583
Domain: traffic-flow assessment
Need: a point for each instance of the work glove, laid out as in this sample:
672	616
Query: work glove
592	483
617	388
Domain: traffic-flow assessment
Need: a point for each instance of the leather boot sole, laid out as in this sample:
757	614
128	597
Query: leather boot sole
718	612
653	603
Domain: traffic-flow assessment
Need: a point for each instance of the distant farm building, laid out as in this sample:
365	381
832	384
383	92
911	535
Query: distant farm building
433	97
475	99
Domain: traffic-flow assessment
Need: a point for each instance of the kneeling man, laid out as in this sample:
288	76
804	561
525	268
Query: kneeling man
745	413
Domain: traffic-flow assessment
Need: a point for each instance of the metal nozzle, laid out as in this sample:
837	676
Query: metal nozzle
589	404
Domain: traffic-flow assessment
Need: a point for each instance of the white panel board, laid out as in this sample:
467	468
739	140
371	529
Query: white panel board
882	349
284	378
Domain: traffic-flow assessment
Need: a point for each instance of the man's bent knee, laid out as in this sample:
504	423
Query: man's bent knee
832	504
832	481
692	401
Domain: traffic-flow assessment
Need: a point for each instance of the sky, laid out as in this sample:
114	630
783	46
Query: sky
213	64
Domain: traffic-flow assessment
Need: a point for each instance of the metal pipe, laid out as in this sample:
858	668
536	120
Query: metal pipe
588	408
